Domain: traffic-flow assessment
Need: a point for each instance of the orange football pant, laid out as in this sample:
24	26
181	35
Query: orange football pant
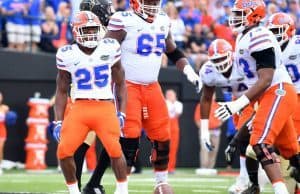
146	108
273	124
84	116
3	133
174	142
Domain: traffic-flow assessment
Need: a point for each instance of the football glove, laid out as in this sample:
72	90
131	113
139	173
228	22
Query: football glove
227	109
121	117
205	136
230	151
56	130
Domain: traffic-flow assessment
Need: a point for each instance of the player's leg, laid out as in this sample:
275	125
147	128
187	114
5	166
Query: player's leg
3	135
106	125
73	134
173	146
274	110
157	127
80	155
130	134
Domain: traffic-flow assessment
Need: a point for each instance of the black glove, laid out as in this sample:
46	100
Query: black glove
230	151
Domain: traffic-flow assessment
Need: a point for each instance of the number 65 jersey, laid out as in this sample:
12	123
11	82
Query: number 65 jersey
143	45
291	60
91	74
256	40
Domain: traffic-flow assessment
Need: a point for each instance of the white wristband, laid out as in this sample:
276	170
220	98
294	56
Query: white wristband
243	101
188	70
204	124
58	122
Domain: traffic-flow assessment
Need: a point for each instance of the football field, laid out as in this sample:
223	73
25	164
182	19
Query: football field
184	181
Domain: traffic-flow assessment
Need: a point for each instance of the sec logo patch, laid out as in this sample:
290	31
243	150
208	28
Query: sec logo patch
280	92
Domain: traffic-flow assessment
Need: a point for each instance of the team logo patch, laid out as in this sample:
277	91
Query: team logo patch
104	57
241	51
280	92
162	28
292	57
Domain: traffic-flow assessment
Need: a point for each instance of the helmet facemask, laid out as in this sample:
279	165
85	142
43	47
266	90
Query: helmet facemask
222	62
238	20
280	32
88	36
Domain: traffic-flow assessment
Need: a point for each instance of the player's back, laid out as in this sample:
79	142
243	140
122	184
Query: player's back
291	60
91	74
143	45
256	40
234	84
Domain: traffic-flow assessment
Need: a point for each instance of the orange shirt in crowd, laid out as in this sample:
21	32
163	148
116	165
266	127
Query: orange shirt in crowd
213	121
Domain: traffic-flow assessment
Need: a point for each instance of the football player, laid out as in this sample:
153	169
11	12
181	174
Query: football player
3	134
221	71
90	64
258	54
144	35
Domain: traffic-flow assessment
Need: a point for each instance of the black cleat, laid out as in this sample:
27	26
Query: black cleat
93	190
253	189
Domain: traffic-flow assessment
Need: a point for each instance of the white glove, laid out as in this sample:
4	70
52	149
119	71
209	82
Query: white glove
191	74
205	136
227	109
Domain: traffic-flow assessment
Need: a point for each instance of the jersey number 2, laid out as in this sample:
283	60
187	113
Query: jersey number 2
86	79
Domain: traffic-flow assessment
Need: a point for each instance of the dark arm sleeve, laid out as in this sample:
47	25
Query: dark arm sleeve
264	58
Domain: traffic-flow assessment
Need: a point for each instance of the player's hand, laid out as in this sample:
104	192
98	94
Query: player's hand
191	75
227	109
230	151
205	136
56	130
121	117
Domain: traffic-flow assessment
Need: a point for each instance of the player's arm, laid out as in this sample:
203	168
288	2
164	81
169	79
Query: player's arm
205	100
118	76
63	80
179	59
265	65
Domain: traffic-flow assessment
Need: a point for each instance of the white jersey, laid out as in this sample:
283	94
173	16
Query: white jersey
255	40
143	45
291	60
91	74
235	83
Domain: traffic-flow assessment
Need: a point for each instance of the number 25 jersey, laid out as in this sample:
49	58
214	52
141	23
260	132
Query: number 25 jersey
256	40
91	74
143	45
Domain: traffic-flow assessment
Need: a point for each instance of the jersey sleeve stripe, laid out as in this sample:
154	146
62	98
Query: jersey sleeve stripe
58	59
259	43
115	27
59	65
258	37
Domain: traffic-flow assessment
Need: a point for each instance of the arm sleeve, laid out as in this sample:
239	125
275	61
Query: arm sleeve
264	58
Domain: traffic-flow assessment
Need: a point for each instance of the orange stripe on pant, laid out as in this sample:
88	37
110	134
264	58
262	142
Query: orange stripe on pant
174	142
146	108
273	123
85	115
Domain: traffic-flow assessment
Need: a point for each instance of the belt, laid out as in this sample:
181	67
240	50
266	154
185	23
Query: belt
93	99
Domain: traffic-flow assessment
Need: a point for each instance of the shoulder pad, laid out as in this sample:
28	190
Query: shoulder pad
118	20
207	73
64	56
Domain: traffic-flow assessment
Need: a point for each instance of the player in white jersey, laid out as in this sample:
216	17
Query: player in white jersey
144	35
221	71
259	55
91	65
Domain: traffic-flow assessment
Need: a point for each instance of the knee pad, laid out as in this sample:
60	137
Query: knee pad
250	153
265	154
130	148
160	154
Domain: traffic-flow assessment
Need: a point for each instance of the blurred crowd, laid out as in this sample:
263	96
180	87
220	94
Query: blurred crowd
44	25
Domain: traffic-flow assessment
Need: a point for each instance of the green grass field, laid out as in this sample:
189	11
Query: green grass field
183	182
